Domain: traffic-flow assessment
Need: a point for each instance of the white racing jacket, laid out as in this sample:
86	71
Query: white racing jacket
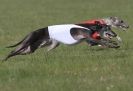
62	33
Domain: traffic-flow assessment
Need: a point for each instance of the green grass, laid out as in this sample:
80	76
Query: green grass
75	68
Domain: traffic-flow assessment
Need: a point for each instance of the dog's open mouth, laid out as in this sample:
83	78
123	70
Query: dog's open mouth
108	36
124	28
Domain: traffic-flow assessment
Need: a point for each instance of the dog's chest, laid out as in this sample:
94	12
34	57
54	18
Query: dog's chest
62	33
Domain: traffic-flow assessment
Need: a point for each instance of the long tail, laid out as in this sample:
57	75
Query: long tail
29	44
17	43
23	45
15	52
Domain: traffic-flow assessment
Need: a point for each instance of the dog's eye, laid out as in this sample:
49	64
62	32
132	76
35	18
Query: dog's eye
121	21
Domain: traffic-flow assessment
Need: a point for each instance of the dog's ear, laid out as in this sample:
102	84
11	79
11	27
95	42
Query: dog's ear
113	18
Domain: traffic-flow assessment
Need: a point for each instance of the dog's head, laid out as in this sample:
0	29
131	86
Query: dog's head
116	22
106	32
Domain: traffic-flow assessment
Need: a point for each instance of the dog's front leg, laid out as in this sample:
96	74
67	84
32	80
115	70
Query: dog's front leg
119	38
54	44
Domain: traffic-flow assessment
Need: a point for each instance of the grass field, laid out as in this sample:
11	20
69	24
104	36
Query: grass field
76	68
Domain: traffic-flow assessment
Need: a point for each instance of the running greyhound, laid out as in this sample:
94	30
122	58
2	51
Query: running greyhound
114	22
68	34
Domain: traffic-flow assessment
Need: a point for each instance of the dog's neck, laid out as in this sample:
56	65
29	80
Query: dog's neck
109	22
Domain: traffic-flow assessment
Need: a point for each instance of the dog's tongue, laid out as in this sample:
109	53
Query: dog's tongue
108	36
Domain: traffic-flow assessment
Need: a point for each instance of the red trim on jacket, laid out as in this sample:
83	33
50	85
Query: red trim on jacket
93	21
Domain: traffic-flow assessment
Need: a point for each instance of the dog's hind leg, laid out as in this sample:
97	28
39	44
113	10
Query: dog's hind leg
53	45
19	50
23	48
45	43
26	50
